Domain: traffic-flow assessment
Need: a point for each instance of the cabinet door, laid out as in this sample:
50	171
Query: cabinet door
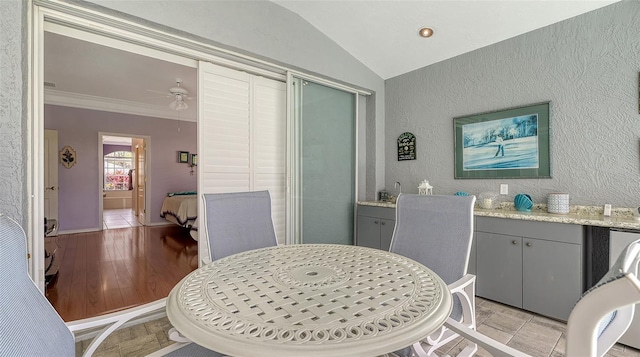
368	232
386	233
499	268
552	277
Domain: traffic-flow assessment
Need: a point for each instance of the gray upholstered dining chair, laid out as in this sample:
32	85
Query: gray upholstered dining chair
238	221
598	319
234	222
437	231
29	325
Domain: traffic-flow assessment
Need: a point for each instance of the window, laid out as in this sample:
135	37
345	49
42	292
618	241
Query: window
117	166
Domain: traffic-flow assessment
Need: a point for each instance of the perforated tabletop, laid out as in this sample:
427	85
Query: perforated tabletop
309	300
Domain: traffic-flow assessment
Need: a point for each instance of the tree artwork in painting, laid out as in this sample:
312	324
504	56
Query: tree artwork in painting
510	143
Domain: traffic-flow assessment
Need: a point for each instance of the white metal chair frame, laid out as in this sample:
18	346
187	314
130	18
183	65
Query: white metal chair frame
465	290
619	292
112	322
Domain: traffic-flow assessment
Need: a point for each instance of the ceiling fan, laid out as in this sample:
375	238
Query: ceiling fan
179	95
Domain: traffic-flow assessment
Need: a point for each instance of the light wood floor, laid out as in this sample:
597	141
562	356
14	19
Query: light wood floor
101	272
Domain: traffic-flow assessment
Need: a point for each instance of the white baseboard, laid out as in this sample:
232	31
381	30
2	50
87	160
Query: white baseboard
167	223
87	230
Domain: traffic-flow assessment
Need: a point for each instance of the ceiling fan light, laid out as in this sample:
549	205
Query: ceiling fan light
178	104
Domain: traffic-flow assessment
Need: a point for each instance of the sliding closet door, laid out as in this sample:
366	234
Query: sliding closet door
242	140
223	129
268	142
325	126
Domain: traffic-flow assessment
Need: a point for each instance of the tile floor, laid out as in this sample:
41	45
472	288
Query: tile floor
524	331
119	218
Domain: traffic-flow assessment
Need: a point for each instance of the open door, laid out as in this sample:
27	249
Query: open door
141	180
51	174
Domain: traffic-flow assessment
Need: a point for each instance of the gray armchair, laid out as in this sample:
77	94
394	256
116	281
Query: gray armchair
29	325
437	231
234	223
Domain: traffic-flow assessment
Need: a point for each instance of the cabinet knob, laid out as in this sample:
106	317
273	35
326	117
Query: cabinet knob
376	222
383	223
529	244
514	242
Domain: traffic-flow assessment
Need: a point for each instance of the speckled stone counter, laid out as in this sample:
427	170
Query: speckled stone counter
582	215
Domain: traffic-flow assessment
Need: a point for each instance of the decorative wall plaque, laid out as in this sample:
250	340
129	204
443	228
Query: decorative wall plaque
406	147
67	156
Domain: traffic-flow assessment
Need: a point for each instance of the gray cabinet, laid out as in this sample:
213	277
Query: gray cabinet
499	268
375	226
536	266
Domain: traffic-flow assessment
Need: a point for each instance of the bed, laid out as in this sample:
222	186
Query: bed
181	208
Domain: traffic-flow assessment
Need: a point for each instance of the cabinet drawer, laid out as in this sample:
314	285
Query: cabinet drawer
557	232
380	212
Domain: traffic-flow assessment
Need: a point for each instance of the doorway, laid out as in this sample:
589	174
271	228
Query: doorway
123	180
114	251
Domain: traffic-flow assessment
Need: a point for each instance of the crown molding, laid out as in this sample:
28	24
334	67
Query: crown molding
75	100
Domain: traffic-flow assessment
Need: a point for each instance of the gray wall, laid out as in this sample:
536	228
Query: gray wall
13	196
586	66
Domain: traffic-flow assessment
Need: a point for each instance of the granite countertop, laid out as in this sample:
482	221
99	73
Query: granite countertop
582	215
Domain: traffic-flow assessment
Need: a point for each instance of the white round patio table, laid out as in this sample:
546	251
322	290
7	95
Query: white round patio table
309	300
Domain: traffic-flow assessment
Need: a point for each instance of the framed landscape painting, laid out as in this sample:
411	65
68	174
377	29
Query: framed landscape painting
510	143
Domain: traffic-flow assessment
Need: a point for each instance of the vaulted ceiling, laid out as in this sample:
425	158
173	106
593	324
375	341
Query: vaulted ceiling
382	34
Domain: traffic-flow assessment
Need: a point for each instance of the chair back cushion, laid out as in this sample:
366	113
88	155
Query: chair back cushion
237	222
436	231
29	325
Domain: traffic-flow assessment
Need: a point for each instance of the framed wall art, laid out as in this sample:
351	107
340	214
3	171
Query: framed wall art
68	157
194	159
509	143
406	146
183	157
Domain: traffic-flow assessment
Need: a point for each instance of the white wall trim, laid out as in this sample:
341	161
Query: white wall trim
84	101
84	230
157	224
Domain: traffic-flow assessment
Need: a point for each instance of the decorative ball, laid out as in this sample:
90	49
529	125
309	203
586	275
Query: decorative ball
488	200
523	202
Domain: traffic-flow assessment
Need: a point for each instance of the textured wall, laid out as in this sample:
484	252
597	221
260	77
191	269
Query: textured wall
79	185
13	198
586	66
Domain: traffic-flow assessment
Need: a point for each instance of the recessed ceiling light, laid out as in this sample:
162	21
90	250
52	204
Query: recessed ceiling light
426	32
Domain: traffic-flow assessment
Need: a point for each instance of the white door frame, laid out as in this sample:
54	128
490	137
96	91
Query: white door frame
147	198
51	173
88	24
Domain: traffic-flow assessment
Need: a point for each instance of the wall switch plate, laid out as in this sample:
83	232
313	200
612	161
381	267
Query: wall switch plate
504	189
607	210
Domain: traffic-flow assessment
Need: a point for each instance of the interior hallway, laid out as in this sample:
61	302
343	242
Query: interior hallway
101	272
